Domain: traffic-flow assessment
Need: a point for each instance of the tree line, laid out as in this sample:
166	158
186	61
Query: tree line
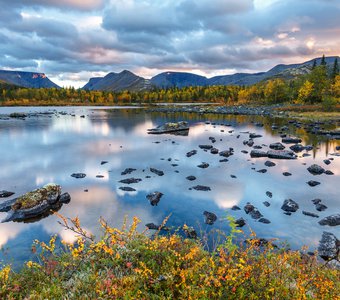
321	84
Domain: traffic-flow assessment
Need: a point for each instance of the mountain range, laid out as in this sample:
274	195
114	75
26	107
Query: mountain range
127	80
27	79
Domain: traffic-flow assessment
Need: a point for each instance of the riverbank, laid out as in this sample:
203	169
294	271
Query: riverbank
126	264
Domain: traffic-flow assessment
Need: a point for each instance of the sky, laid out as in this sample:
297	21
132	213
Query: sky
73	40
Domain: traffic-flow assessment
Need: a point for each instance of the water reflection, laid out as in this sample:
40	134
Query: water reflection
49	149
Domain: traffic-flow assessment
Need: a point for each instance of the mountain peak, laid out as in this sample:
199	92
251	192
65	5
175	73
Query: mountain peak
27	79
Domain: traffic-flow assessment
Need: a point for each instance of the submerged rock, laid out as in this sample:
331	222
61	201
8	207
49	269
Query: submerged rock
154	198
281	154
313	183
235	207
6	194
201	188
78	175
290	205
157	172
240	222
252	211
127	189
36	203
191	178
291	140
264	221
128	171
210	218
130	180
190	232
191	153
310	214
333	220
269	164
170	128
203	165
276	146
315	169
329	246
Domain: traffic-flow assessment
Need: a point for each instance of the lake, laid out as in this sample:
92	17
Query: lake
48	148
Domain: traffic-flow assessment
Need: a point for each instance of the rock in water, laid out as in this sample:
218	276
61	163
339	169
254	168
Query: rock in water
201	188
329	246
130	180
240	222
154	198
313	183
315	169
157	172
78	175
37	203
333	220
6	194
290	205
210	218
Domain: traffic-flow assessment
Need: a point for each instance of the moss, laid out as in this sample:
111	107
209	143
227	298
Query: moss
36	197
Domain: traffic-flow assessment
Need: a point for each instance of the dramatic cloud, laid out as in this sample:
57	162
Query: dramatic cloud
72	39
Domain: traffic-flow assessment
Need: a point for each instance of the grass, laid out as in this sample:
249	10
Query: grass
126	264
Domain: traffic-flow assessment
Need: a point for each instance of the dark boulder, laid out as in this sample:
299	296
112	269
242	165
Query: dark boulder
201	188
258	153
252	211
320	207
291	140
297	148
290	205
286	174
240	222
154	198
130	180
206	147
269	164
269	194
210	218
333	220
37	203
127	189
6	194
264	221
128	171
226	153
310	214
281	154
276	146
157	172
315	169
191	153
266	203
214	151
78	175
203	165
329	246
190	232
191	178
313	183
235	207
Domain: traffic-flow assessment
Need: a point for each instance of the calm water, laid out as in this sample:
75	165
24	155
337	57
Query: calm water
49	148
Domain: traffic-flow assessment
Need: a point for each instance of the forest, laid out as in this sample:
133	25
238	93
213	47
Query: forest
320	86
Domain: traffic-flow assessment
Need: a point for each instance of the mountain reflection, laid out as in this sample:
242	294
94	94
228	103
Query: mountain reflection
42	150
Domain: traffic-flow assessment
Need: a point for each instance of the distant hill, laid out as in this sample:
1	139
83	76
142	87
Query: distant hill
92	82
27	79
178	79
124	80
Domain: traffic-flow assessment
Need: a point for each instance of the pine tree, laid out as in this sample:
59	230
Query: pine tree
323	61
314	64
335	70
